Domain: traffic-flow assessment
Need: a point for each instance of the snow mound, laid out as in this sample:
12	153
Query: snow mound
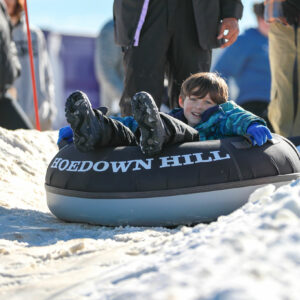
251	253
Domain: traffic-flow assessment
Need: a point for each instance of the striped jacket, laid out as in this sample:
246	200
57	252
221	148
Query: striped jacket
228	120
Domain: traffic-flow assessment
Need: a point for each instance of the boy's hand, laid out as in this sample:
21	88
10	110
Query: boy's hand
65	134
259	133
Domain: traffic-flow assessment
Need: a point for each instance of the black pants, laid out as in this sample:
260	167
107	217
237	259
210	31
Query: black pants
168	46
116	133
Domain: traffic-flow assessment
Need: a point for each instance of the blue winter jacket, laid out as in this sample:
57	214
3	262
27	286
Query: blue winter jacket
220	121
247	62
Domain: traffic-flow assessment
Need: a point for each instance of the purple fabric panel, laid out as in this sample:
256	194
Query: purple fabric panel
141	23
77	56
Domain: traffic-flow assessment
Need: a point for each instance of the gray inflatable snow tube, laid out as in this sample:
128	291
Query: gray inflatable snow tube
186	184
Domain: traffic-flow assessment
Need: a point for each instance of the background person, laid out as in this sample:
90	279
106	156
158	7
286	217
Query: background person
10	66
284	54
247	63
173	37
43	73
109	68
11	114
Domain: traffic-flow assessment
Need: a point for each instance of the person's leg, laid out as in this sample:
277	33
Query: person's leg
282	53
91	128
156	128
185	57
144	65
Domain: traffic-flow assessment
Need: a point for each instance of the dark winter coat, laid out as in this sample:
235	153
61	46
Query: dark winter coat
208	14
9	64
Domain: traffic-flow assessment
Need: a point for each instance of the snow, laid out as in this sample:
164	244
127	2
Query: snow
253	253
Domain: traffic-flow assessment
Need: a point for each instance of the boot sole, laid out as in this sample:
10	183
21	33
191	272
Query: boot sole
80	116
146	114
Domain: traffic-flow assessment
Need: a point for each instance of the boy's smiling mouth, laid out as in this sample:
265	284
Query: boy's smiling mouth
197	115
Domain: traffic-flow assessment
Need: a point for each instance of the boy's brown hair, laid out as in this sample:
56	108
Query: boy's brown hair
201	84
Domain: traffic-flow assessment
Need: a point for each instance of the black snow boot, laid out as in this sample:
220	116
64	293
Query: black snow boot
156	128
91	128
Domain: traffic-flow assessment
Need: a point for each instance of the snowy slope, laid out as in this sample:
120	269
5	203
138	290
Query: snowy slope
250	254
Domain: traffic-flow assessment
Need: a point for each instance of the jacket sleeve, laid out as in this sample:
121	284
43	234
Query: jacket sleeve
129	122
231	9
9	63
126	16
236	120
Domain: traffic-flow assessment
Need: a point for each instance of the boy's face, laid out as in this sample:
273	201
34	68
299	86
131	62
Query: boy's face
194	107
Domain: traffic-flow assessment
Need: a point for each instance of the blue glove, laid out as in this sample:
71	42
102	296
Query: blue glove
259	134
65	134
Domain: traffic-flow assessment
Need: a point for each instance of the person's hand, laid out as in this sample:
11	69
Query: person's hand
291	13
259	134
65	134
231	26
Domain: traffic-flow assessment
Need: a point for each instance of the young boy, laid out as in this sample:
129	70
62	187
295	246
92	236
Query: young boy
204	114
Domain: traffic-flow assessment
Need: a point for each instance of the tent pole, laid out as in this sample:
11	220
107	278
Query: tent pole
35	99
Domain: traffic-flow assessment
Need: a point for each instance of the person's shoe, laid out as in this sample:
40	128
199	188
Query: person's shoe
83	121
146	113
